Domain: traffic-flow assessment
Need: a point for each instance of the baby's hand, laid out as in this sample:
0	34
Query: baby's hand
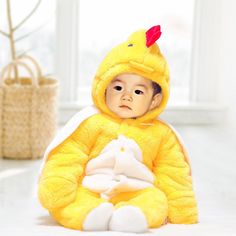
56	191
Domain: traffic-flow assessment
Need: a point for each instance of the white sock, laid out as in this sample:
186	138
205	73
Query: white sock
98	218
128	219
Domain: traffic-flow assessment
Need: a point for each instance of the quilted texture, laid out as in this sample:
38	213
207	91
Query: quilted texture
170	196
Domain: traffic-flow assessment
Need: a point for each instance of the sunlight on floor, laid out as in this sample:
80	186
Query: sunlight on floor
9	173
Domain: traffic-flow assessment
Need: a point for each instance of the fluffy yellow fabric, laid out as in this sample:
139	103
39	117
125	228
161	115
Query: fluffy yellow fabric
171	197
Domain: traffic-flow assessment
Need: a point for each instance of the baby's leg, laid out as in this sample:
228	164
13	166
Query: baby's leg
148	207
88	212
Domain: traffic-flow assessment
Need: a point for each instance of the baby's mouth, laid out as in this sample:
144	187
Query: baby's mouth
125	107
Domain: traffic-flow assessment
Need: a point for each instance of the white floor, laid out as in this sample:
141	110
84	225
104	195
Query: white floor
213	157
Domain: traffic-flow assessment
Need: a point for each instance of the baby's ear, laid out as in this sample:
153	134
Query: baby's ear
156	100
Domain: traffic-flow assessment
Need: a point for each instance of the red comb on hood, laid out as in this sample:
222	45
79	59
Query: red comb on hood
152	35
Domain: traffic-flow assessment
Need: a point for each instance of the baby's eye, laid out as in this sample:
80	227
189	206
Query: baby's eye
137	91
118	88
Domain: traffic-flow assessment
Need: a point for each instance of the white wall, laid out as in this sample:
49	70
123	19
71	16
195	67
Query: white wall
228	59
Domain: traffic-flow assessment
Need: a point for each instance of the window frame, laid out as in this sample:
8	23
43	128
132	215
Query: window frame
204	106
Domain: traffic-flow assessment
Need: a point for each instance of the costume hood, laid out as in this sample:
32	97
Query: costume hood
139	55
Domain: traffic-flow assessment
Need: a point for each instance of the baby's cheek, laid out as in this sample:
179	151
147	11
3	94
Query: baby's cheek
141	107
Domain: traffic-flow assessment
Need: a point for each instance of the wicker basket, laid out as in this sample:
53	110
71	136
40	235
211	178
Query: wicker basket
28	115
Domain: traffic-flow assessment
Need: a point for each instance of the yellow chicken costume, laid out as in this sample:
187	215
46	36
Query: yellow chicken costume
102	172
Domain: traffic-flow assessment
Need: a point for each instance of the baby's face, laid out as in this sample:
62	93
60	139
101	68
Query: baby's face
129	95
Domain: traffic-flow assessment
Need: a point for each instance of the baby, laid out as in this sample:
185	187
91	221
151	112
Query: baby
116	166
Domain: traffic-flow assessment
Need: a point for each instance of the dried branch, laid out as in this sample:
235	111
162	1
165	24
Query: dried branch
32	32
28	16
4	33
24	53
11	38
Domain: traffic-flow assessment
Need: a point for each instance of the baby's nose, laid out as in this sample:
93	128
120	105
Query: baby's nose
127	97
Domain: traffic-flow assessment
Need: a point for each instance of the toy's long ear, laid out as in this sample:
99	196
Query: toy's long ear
156	100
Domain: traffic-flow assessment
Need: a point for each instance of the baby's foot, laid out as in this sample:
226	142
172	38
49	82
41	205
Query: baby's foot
128	219
98	218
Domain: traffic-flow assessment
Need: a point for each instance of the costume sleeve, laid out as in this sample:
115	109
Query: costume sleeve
64	167
173	177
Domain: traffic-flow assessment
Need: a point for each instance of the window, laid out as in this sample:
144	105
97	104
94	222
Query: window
39	30
190	42
101	30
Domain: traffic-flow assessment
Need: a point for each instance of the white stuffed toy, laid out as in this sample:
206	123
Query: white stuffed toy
118	168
